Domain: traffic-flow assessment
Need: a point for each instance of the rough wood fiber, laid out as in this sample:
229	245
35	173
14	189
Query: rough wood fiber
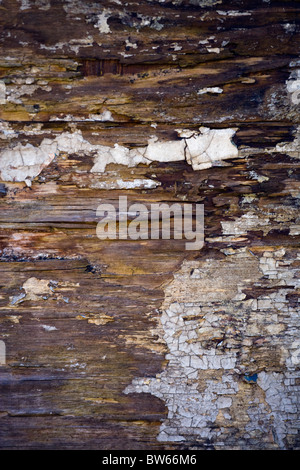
124	344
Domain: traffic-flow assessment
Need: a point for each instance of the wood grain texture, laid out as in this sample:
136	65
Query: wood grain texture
117	75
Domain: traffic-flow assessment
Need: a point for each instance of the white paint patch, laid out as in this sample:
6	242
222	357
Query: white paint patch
234	13
125	55
248	221
49	328
215	50
119	155
204	3
210	90
33	289
209	146
103	117
199	149
76	44
40	4
25	4
102	24
24	87
293	86
2	92
276	397
169	151
131	184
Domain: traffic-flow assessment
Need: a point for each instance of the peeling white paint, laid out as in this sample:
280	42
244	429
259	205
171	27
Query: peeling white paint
215	50
40	4
290	148
248	221
43	4
24	87
49	328
176	47
103	117
58	45
35	288
257	177
128	43
25	4
2	92
209	146
119	155
204	3
293	86
215	89
6	131
102	24
187	324
131	184
199	149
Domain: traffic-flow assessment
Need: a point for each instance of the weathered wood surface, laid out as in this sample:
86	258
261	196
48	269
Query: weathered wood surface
90	360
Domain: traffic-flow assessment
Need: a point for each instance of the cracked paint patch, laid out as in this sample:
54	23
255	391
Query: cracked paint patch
216	336
6	131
